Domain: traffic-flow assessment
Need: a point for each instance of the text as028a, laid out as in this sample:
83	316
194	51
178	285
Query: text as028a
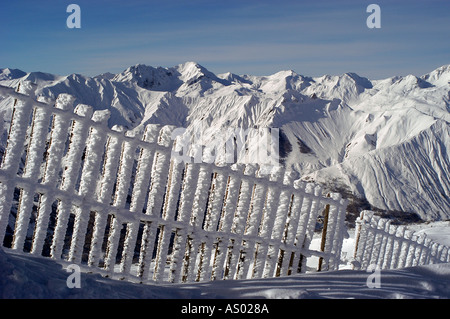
246	308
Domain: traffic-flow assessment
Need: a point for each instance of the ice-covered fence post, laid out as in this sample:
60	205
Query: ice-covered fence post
141	184
195	255
88	182
402	249
442	253
370	243
426	251
230	203
11	159
169	208
215	201
334	235
294	224
275	254
239	223
38	135
377	242
361	238
144	166
340	231
301	237
253	222
168	214
434	252
72	163
184	215
268	219
430	252
411	250
209	217
389	245
446	256
407	247
212	215
106	185
383	245
78	137
126	160
426	257
55	151
215	204
159	175
439	251
160	172
124	175
419	250
201	197
309	213
395	246
358	231
324	233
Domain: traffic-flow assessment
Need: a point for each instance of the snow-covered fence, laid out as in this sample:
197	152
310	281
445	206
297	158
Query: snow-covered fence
392	246
74	190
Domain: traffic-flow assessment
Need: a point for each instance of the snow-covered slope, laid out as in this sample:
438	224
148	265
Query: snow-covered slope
385	141
38	277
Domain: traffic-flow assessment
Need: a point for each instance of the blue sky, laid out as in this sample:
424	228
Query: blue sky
256	37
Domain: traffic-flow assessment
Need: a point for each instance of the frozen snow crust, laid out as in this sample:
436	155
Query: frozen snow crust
34	277
385	141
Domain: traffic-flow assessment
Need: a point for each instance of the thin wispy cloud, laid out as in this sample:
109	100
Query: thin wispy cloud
258	37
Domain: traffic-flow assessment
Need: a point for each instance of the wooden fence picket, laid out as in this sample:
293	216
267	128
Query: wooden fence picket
124	206
391	246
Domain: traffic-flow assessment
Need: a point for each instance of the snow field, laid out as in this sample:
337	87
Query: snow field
38	277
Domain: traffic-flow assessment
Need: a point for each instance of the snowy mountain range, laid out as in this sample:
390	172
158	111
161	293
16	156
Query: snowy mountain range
383	142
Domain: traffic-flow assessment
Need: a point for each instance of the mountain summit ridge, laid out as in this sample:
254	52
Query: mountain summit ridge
383	140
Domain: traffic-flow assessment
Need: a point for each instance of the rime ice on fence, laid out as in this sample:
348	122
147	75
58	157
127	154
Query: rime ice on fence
390	246
123	206
11	159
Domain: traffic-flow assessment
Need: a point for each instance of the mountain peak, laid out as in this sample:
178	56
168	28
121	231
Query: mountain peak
439	76
361	81
166	79
331	127
190	65
148	77
11	74
191	72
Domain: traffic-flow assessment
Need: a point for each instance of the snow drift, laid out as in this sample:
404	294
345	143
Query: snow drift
38	278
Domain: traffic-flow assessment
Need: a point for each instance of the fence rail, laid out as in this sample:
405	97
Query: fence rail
391	246
72	189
